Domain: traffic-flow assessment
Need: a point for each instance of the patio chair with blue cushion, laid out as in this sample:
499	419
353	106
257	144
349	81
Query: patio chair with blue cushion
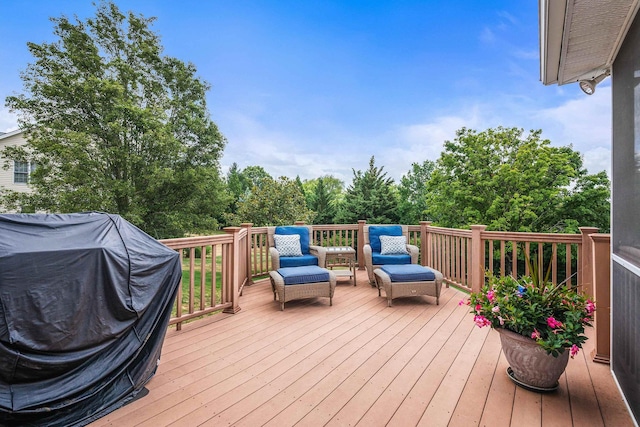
291	246
387	245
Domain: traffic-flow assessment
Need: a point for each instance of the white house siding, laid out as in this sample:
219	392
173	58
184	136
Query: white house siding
6	175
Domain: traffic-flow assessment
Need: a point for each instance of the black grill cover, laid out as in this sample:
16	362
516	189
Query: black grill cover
85	300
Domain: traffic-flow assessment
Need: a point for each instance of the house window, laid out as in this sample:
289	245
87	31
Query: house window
21	172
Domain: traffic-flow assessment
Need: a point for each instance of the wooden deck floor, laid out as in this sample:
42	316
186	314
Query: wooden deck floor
358	362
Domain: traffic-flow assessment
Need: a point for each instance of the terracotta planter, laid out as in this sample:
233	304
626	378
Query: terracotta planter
530	365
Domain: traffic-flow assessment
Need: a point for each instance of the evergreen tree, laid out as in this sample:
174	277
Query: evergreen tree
371	196
237	185
323	205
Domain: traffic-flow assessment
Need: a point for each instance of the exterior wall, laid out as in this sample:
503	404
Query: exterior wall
625	241
6	175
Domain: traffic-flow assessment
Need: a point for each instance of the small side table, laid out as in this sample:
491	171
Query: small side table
339	256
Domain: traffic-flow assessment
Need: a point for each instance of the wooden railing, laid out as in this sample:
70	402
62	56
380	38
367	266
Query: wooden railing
221	267
463	256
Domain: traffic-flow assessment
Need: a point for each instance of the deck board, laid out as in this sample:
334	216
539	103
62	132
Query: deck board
357	362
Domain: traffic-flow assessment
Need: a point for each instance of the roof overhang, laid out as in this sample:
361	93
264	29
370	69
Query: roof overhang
8	134
579	39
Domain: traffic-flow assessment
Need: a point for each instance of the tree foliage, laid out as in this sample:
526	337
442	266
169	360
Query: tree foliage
323	196
275	202
412	205
512	182
322	203
115	126
371	196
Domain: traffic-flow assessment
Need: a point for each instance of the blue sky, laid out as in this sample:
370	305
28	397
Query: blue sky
311	88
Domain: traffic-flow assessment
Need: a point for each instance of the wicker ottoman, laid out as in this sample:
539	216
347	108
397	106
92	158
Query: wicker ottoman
408	280
290	283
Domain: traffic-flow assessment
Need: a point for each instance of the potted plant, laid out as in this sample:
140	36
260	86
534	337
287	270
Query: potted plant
540	325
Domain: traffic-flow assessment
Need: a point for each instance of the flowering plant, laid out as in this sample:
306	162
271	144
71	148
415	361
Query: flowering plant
553	315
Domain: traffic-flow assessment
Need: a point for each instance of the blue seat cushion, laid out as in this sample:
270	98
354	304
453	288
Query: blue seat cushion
302	231
301	275
409	273
298	261
375	231
377	259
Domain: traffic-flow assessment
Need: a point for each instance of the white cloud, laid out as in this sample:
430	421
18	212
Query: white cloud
8	121
509	17
423	141
585	123
487	36
252	143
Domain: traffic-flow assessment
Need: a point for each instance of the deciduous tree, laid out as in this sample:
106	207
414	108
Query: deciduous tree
114	125
513	182
275	202
412	205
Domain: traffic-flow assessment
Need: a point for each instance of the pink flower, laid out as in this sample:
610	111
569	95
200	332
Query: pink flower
591	307
491	295
501	320
496	309
574	350
553	323
535	334
478	308
481	321
462	302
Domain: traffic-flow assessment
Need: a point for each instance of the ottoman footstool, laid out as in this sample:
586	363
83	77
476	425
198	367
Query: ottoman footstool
291	283
408	280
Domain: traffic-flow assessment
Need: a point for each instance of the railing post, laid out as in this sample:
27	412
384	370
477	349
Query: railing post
425	243
601	244
585	269
249	252
477	257
360	254
234	290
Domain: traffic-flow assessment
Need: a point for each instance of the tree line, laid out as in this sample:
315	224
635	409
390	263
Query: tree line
116	126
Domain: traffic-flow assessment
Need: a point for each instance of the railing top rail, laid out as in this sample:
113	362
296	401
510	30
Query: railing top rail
449	231
330	227
188	242
515	236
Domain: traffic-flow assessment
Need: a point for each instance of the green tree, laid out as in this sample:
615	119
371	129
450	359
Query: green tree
236	182
115	126
412	190
254	175
510	182
587	203
274	202
322	204
372	196
333	186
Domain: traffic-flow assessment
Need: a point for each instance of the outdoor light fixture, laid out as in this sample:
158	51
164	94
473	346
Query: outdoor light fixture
589	86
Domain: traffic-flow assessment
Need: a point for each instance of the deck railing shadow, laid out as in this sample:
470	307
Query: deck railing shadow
219	266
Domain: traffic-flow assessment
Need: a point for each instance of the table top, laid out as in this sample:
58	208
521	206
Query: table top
340	250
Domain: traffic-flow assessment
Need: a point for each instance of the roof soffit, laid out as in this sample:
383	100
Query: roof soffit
582	43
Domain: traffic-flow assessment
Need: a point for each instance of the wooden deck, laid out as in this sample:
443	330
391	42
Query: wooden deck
358	362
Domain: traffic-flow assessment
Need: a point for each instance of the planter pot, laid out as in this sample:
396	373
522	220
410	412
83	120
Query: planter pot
529	364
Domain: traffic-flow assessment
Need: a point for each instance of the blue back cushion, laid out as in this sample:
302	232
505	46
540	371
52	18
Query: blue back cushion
382	230
302	231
